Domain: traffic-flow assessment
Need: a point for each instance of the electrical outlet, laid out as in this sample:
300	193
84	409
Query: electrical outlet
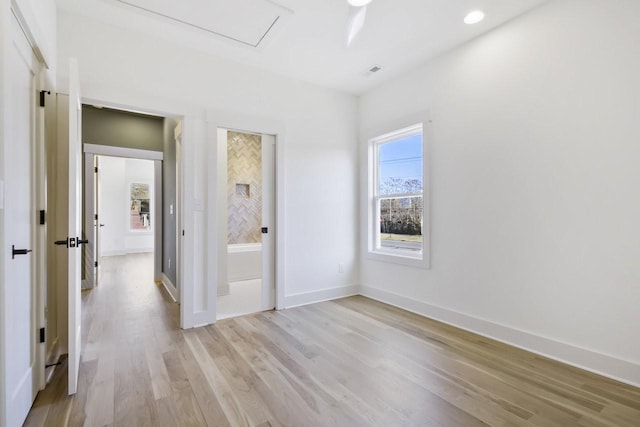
170	209
169	263
340	268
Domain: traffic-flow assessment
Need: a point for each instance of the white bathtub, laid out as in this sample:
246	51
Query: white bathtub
244	261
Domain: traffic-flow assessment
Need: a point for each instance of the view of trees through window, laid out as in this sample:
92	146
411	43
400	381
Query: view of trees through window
399	194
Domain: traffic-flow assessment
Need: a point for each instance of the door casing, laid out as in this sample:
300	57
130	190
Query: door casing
92	150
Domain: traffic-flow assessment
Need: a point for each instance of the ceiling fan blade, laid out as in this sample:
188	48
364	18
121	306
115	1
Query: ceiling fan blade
355	21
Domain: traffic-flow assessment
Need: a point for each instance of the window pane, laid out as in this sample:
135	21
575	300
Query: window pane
401	223
140	215
400	166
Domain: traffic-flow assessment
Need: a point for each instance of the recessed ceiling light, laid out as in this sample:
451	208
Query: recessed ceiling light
474	17
358	3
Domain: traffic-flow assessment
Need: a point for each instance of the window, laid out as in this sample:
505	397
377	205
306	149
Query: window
139	207
397	212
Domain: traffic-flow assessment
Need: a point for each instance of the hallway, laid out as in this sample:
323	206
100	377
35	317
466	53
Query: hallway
129	323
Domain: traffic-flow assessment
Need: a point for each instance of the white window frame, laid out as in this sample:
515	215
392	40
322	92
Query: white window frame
375	250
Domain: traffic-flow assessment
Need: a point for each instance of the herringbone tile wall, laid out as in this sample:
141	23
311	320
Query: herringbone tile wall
244	167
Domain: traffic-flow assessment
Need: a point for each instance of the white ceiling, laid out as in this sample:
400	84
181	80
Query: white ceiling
306	39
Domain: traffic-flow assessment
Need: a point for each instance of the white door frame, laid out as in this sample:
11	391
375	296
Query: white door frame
233	121
192	123
268	145
91	150
74	227
177	133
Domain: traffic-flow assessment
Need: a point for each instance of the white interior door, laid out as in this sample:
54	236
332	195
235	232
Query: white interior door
98	224
19	214
91	218
268	221
75	223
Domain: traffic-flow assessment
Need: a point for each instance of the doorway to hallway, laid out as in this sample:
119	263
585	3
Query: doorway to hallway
125	196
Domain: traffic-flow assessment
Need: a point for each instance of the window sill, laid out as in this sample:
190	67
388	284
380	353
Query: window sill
400	257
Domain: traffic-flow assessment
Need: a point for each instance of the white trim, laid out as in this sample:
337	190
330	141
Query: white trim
170	287
127	252
178	208
156	196
190	118
602	364
313	297
157	221
242	122
132	153
29	24
412	125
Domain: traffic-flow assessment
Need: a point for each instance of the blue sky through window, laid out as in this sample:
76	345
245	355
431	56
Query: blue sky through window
401	159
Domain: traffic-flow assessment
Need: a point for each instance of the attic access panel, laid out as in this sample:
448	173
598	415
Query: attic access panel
243	21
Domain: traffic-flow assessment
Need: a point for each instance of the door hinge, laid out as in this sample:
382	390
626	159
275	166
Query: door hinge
95	169
95	217
42	97
41	334
95	264
42	217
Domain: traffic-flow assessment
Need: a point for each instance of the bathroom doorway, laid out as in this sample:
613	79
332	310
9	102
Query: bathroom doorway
247	285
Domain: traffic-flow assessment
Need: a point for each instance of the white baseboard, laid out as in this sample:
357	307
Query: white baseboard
126	252
112	253
319	296
139	251
602	364
170	287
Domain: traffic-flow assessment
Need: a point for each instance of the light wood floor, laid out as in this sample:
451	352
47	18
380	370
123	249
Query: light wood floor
350	362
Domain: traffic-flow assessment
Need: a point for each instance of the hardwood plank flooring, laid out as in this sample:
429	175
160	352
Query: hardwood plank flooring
349	362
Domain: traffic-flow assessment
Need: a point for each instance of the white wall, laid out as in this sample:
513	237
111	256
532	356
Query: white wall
535	209
320	180
115	175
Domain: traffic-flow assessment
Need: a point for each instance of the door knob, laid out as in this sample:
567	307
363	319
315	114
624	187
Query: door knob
64	242
101	225
70	242
82	242
15	251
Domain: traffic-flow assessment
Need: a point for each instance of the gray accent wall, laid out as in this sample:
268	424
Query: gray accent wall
169	216
104	126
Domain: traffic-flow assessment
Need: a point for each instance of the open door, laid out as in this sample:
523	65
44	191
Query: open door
98	224
75	223
91	252
268	221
